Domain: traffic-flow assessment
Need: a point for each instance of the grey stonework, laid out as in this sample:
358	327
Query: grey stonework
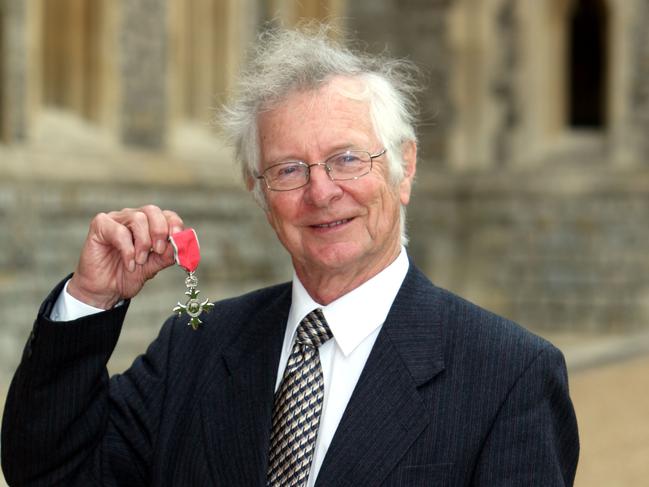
520	244
415	30
640	77
531	247
44	225
503	83
143	56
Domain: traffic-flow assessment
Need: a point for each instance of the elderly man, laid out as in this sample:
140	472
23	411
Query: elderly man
358	373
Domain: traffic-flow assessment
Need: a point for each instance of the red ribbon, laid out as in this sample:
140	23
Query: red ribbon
187	251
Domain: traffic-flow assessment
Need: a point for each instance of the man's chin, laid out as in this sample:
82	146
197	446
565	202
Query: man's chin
334	256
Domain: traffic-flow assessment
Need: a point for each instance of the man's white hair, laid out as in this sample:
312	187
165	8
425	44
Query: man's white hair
284	62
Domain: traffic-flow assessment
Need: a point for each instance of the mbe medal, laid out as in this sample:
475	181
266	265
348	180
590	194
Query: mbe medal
187	255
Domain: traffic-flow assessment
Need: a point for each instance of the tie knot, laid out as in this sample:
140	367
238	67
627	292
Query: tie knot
313	330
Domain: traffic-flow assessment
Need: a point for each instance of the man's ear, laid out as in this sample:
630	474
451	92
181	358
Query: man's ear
259	196
409	156
250	181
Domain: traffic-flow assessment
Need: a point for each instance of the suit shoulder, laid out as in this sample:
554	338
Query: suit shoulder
483	344
484	332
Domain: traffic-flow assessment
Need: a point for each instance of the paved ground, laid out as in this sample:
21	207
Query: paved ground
609	382
612	404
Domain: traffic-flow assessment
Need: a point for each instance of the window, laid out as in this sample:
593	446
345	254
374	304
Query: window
204	45
208	42
291	12
71	55
588	33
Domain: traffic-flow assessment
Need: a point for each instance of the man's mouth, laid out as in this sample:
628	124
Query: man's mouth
332	224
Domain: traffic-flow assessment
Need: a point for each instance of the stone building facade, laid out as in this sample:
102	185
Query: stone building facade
531	196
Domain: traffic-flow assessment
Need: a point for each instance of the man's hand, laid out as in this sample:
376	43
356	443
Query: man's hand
122	251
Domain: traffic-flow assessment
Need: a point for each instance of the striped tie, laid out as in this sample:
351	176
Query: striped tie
298	402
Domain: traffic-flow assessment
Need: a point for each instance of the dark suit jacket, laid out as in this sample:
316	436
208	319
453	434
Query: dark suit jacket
451	395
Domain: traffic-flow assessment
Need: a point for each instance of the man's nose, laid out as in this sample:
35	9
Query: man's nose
321	190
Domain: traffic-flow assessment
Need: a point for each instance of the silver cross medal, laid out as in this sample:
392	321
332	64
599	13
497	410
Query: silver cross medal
187	255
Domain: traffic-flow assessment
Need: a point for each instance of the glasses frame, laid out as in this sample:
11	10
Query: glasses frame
328	169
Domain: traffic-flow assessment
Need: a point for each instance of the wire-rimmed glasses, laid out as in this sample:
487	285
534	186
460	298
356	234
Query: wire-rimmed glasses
345	166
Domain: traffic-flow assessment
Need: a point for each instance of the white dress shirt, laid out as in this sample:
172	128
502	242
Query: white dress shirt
355	320
68	308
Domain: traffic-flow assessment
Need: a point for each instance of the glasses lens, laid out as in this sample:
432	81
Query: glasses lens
349	165
287	175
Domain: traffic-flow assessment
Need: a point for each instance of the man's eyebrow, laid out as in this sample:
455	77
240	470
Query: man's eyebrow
343	148
337	149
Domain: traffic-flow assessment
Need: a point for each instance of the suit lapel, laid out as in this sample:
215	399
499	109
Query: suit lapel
237	414
386	412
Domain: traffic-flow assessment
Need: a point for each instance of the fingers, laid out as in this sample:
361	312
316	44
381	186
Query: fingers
155	231
109	232
174	221
147	229
123	250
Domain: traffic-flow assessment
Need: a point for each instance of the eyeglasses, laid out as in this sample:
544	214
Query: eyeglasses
346	166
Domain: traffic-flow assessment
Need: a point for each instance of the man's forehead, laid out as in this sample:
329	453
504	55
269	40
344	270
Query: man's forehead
335	115
338	95
353	89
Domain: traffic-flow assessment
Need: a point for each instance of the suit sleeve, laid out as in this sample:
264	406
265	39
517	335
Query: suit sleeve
534	439
66	422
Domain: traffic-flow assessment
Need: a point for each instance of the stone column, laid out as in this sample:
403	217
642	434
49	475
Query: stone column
3	135
14	70
413	29
503	82
143	51
639	100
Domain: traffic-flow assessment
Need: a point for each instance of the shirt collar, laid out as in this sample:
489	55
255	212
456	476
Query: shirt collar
354	316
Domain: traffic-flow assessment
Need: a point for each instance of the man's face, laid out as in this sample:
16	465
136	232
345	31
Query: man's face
333	228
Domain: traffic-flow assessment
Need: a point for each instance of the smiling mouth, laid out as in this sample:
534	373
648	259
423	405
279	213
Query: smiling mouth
332	224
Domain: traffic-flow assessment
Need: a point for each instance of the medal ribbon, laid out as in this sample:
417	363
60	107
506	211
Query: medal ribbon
187	251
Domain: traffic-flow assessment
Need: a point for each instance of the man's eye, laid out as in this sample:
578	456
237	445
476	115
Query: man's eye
288	170
346	160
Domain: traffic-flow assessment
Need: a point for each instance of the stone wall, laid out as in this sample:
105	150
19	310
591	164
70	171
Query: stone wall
559	251
143	44
640	90
415	30
44	223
